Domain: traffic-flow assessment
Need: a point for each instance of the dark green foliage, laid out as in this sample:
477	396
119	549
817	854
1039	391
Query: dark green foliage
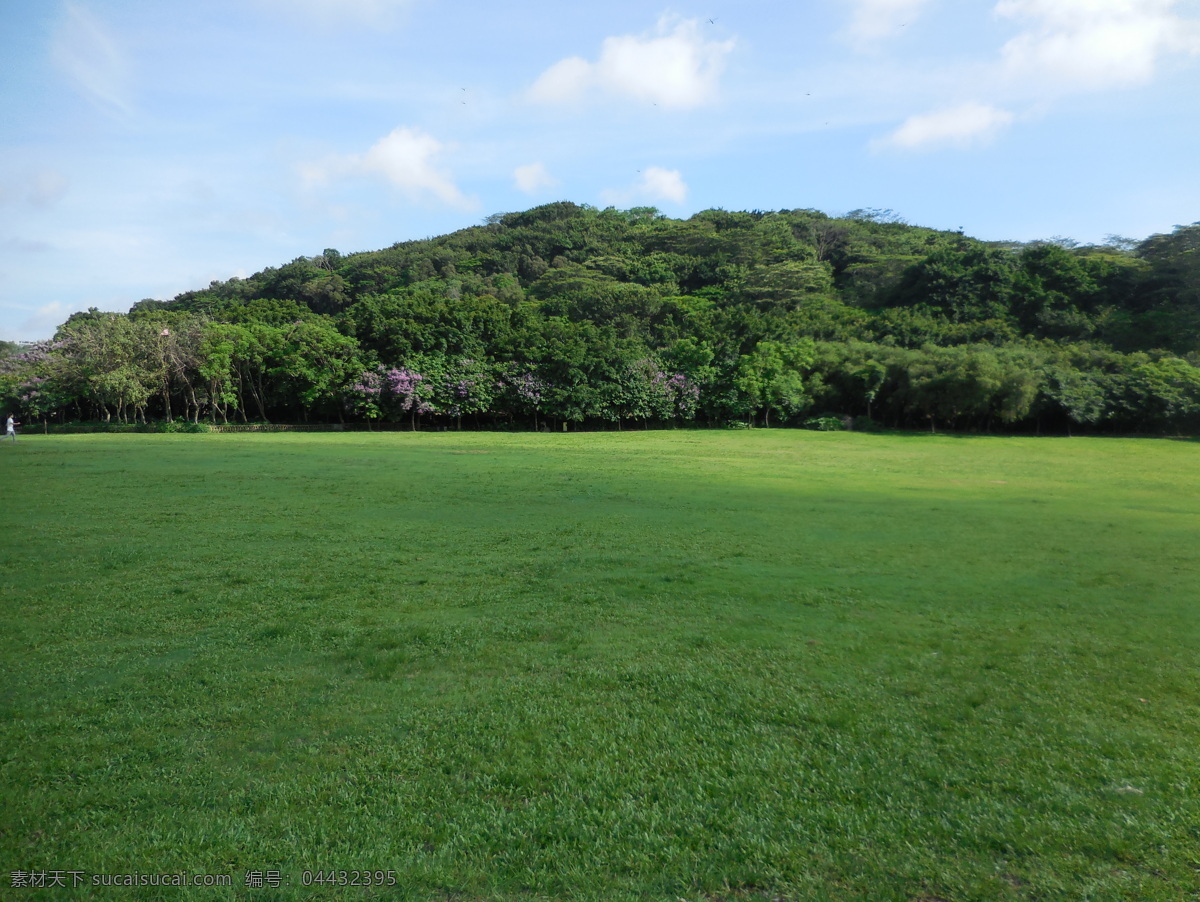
1170	292
969	334
965	285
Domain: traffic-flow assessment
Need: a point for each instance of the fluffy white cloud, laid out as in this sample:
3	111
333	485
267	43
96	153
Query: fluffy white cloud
565	81
962	126
86	52
1093	44
663	184
876	19
533	178
675	66
656	184
406	159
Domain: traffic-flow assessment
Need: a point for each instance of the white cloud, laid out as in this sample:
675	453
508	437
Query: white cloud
673	67
85	50
656	184
1093	44
877	19
663	184
533	178
963	126
565	81
1063	46
405	158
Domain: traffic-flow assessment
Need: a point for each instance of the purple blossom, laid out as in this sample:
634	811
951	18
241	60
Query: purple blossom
370	383
403	381
676	390
31	355
405	386
529	388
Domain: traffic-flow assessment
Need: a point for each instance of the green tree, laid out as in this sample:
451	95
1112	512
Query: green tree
315	365
971	283
772	379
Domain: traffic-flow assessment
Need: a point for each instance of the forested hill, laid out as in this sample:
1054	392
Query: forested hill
570	313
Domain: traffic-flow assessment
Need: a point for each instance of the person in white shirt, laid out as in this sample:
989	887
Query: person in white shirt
12	431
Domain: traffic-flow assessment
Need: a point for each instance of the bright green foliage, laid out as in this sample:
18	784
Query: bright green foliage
1084	396
586	302
771	379
312	362
974	382
1166	390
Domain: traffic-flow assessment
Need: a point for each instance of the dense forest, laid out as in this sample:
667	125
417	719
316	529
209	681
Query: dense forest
618	318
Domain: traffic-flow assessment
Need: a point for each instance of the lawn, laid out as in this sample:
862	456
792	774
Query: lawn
613	666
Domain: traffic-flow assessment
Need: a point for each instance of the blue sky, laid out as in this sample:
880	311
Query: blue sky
148	148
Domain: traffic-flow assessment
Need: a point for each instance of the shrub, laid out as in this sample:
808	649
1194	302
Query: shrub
825	424
180	425
866	424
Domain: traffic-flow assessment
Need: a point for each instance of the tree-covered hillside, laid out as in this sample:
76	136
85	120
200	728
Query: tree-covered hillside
567	313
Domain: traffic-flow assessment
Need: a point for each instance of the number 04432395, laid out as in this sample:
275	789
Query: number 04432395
348	878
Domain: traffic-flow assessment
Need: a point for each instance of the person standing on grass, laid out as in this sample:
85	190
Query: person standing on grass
12	429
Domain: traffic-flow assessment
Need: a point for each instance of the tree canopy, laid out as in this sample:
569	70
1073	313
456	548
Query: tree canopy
570	313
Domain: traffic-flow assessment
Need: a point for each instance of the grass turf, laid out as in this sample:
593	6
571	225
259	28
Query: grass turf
641	666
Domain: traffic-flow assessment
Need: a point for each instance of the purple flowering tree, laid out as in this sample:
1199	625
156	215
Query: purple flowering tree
679	395
462	386
408	391
390	392
365	395
35	378
526	392
647	392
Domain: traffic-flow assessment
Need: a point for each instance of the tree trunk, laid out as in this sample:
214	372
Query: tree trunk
258	400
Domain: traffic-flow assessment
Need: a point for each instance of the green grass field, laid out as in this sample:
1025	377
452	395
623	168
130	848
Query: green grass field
638	666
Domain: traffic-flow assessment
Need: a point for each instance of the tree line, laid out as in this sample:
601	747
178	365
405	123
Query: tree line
608	318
